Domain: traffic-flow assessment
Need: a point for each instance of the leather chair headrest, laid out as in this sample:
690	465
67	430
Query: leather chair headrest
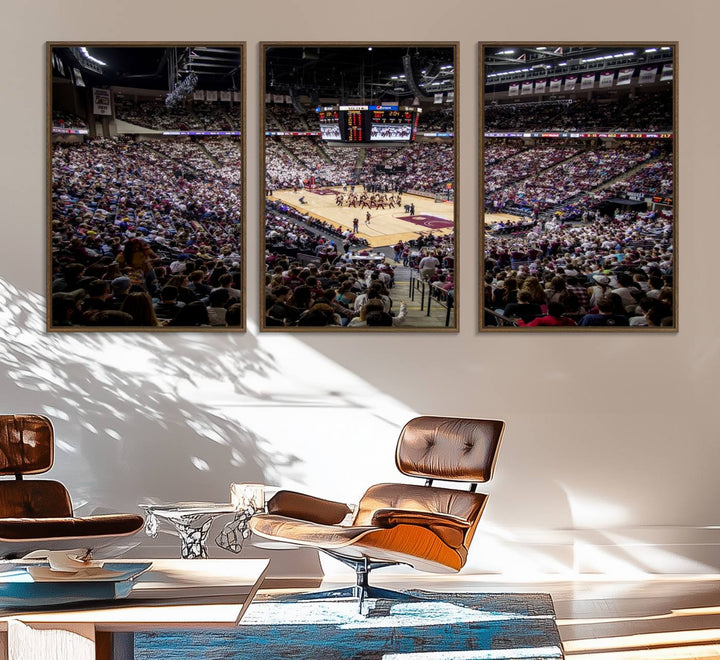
449	448
26	444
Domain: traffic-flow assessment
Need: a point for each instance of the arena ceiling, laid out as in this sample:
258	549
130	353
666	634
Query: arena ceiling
526	62
217	67
369	72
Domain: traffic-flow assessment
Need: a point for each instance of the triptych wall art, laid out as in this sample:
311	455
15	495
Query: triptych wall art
360	218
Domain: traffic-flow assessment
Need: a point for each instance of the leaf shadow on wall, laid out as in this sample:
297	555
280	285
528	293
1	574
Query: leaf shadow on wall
131	413
127	428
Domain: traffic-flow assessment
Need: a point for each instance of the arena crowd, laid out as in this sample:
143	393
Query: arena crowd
146	233
609	270
585	249
320	275
197	116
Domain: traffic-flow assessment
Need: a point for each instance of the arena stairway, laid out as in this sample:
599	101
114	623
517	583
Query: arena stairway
359	163
208	155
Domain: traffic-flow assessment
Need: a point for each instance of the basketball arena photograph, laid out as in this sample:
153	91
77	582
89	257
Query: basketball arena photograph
145	187
359	186
579	176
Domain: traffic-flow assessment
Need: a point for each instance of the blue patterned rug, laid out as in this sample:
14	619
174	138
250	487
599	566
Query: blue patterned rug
441	626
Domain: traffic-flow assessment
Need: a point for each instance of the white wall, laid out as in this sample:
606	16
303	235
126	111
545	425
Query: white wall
610	462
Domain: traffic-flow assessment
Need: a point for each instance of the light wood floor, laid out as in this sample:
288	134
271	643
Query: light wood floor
385	226
660	618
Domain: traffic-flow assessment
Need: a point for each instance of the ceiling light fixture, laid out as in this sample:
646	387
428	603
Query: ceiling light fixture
84	51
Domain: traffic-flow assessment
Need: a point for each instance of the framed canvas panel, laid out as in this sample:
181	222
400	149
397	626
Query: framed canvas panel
359	184
145	186
579	179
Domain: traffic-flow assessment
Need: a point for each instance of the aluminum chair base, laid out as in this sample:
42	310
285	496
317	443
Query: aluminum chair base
355	593
362	590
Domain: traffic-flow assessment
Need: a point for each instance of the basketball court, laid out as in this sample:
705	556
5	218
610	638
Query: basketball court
386	227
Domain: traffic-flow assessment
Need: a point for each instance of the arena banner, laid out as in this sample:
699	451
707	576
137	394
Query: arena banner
527	88
199	95
555	84
211	95
237	97
293	133
58	65
540	86
514	89
570	83
226	96
438	98
667	72
77	76
606	79
624	77
101	102
216	133
451	97
69	131
588	81
583	135
647	75
278	98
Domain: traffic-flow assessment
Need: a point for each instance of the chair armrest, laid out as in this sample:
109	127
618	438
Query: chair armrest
306	507
451	529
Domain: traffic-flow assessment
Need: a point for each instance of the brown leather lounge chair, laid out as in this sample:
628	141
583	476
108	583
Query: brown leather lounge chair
37	514
427	527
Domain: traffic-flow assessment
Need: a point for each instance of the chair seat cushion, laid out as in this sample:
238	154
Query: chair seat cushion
417	546
23	529
305	532
36	498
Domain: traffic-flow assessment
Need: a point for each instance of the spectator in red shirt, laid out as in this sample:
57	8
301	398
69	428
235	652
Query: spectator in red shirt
554	318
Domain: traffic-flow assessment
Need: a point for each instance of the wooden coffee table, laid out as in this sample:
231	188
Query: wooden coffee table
174	593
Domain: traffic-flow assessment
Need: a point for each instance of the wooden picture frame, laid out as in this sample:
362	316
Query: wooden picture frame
145	186
578	172
343	134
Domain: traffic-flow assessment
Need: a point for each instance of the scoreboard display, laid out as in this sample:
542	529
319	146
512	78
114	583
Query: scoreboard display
369	123
329	124
390	125
666	201
354	125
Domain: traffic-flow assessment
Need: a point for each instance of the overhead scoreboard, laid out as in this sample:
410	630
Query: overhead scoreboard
368	123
